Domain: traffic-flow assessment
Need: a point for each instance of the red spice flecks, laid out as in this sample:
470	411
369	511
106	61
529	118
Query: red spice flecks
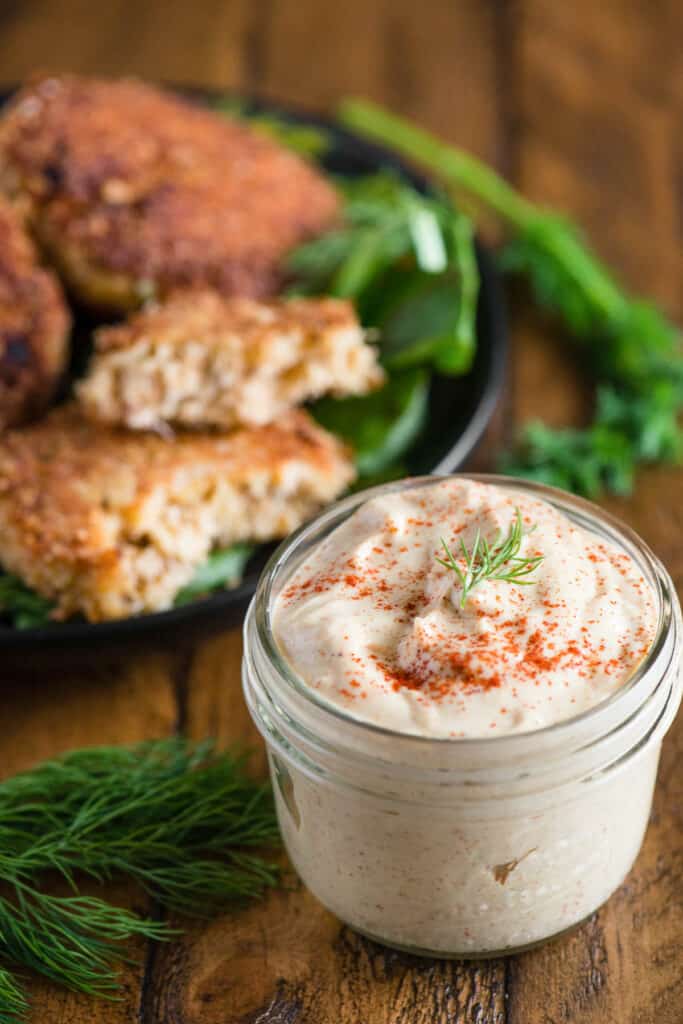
507	638
536	660
457	674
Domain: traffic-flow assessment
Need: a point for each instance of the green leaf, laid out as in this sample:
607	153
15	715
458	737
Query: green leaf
462	234
22	606
565	276
316	261
26	609
371	253
422	326
427	239
408	262
382	426
304	139
223	568
392	471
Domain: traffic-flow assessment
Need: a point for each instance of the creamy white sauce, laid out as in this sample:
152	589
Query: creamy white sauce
373	622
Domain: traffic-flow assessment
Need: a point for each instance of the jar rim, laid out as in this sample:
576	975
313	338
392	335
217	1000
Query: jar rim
581	508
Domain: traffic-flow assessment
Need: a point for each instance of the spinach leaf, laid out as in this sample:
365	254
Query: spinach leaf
408	263
382	426
421	324
22	606
305	139
224	568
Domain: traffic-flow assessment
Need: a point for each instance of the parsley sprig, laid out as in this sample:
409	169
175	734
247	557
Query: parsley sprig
496	560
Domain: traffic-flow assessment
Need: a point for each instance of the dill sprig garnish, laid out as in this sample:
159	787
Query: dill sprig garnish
496	560
182	820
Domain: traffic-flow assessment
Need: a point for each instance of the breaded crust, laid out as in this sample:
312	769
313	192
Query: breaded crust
34	326
133	190
201	360
111	523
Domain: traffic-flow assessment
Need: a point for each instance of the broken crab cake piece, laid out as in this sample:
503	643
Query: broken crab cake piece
110	524
34	326
201	360
132	190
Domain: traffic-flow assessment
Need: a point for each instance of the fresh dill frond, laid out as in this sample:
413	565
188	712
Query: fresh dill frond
184	821
72	940
13	1003
495	560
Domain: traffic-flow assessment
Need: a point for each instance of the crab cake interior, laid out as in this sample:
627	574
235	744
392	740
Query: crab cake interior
110	523
132	191
34	326
201	360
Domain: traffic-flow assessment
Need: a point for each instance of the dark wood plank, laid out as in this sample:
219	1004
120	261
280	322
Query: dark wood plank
289	960
598	129
437	64
167	40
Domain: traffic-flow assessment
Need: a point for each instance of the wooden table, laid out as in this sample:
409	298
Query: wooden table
581	105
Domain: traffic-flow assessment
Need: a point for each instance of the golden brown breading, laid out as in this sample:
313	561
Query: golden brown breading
201	360
34	326
131	190
110	523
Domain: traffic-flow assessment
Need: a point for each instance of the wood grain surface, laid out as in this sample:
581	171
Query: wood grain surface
581	105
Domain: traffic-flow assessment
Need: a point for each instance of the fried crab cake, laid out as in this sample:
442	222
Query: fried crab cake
111	523
34	326
132	190
201	360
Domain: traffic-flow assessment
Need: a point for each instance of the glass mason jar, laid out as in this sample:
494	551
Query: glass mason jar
462	847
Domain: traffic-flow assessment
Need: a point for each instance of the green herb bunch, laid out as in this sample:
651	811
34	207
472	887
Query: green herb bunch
407	261
183	821
633	348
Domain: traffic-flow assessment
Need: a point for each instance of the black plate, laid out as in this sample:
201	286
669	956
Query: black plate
460	411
